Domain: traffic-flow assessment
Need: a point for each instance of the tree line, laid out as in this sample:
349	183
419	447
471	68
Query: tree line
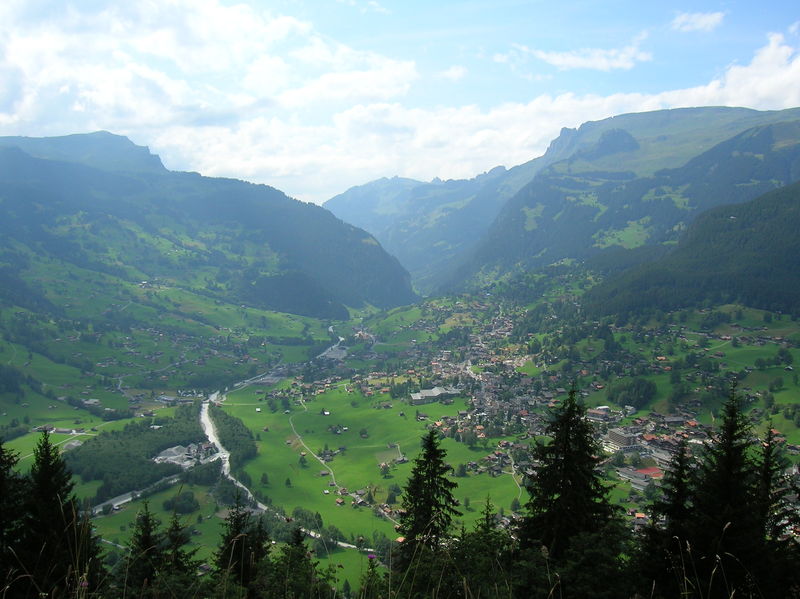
723	525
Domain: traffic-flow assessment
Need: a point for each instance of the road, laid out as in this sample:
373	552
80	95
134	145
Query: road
224	455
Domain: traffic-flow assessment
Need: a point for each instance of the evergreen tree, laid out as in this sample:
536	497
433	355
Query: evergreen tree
663	544
428	505
726	531
571	536
145	554
778	568
567	495
12	499
57	549
481	557
243	546
292	574
177	575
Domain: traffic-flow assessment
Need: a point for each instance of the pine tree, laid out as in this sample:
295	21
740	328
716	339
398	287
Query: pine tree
292	574
177	575
428	505
145	554
778	567
12	500
58	549
664	541
243	546
726	530
567	495
481	557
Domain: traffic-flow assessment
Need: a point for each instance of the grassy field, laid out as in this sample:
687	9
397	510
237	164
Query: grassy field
388	435
206	520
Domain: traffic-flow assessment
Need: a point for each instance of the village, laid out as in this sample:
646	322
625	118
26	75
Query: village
508	400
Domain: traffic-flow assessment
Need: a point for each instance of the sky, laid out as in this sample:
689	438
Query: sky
315	96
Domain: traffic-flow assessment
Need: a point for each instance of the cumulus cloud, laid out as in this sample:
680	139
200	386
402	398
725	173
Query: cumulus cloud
697	21
232	90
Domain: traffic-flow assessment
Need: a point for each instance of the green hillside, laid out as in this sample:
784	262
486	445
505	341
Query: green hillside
570	212
435	228
428	225
745	253
227	239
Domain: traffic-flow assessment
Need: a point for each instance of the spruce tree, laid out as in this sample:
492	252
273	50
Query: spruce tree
292	574
778	566
145	554
177	575
57	549
243	546
726	531
428	505
664	542
481	557
12	500
567	495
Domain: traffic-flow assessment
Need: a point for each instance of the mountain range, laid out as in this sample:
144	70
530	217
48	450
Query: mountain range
100	203
623	182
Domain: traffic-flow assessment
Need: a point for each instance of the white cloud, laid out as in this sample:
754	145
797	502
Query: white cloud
599	59
454	73
697	21
237	91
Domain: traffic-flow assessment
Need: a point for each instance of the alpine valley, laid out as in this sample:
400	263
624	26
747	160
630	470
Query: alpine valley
235	383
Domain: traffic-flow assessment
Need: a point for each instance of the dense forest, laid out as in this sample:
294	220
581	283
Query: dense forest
122	459
103	209
746	253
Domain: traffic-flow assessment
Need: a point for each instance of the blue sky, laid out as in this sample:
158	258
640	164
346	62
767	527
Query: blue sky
313	97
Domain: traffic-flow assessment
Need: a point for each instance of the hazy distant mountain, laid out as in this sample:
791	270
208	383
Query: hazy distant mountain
101	150
622	184
440	231
98	202
427	225
747	253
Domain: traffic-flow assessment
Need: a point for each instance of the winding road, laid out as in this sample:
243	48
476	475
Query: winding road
224	455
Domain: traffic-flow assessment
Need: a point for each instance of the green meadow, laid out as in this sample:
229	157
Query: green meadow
375	434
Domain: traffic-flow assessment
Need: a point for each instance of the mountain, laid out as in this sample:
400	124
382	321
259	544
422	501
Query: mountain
100	203
427	225
101	150
746	253
437	230
636	180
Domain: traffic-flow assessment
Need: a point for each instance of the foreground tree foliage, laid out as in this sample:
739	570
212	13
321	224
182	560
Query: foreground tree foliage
50	548
721	528
428	508
572	536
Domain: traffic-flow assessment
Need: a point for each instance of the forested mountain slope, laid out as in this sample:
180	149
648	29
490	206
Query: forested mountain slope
434	228
570	212
427	225
128	217
747	253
